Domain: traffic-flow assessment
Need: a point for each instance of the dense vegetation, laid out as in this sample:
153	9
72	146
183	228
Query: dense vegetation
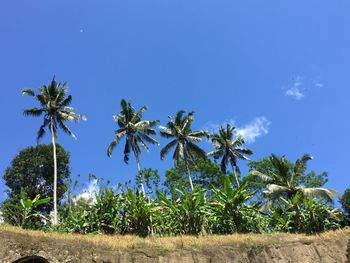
198	196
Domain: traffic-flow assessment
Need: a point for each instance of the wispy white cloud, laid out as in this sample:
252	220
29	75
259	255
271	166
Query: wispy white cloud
295	92
301	85
89	193
297	89
256	128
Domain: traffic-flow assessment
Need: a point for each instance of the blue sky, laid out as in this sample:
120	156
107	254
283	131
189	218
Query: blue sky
277	69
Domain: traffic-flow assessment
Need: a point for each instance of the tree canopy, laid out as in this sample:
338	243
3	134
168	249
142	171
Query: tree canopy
31	172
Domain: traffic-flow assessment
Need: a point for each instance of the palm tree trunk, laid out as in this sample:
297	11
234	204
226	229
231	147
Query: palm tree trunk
143	192
139	174
54	176
189	174
235	174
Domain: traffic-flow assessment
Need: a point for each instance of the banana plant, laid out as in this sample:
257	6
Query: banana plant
28	209
231	208
190	213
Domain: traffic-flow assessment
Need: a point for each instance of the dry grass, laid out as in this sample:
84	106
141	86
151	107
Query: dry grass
118	242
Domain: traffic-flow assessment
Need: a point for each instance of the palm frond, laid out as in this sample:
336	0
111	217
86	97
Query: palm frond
34	112
261	176
275	190
199	134
300	164
126	150
244	151
138	115
167	148
178	119
149	139
139	140
215	152
115	141
166	132
197	150
193	138
65	128
41	131
28	92
67	101
325	193
187	123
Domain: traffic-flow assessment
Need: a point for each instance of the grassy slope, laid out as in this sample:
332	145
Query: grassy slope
118	242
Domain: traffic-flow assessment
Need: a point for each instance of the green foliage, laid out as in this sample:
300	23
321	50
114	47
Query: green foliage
229	149
137	133
345	202
232	212
55	106
151	179
136	214
190	213
31	172
184	140
25	213
205	173
99	217
283	179
304	215
228	210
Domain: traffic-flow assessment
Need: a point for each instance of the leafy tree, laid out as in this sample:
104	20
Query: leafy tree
265	166
204	172
229	149
31	172
183	139
55	106
151	178
283	179
136	132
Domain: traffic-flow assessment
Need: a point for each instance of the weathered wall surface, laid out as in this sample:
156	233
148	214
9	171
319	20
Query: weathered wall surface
14	246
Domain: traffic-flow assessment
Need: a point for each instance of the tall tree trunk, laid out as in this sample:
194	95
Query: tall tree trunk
139	174
54	176
189	174
143	192
235	174
236	178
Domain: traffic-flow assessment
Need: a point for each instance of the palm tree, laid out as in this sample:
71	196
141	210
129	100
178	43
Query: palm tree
55	106
284	178
229	149
136	132
183	139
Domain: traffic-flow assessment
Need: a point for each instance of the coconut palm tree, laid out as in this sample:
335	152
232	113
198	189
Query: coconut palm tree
183	139
284	178
228	148
55	107
136	132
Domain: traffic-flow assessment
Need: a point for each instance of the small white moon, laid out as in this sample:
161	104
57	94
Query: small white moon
81	30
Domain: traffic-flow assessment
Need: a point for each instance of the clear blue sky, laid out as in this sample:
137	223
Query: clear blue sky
278	69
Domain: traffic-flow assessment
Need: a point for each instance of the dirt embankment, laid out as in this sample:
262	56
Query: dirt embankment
329	247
